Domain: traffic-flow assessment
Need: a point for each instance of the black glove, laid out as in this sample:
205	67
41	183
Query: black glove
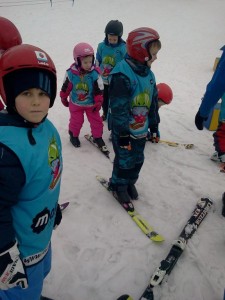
12	272
58	216
124	141
199	121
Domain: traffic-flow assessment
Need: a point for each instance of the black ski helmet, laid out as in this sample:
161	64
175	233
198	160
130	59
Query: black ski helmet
114	27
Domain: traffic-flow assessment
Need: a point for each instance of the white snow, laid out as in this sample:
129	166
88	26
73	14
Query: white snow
98	252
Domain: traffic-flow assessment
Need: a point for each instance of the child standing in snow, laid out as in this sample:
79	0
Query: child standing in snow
83	85
30	171
109	53
214	92
165	96
9	37
133	107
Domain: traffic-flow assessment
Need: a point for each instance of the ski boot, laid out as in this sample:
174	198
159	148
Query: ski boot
101	145
74	140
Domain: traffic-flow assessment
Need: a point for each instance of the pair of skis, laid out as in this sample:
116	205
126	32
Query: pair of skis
147	229
166	266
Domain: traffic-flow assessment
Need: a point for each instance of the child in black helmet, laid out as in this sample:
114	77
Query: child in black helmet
30	171
109	53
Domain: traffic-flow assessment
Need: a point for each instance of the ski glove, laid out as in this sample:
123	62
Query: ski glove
12	272
58	216
124	141
199	121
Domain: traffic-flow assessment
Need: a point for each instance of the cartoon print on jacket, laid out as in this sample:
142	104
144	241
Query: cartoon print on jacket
54	162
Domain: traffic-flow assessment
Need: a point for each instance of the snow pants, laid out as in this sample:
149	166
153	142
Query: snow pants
127	163
77	120
36	275
219	139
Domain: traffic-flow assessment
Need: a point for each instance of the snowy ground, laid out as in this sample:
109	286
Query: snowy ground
99	253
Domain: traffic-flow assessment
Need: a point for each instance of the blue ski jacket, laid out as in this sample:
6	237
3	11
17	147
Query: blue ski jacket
30	172
215	88
133	105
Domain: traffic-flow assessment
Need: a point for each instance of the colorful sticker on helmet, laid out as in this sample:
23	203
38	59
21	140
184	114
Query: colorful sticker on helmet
41	56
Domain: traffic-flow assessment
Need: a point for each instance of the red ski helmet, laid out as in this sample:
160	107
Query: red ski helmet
9	34
22	58
164	93
82	50
138	41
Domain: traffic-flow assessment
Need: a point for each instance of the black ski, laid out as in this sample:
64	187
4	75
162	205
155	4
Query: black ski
167	265
104	149
64	205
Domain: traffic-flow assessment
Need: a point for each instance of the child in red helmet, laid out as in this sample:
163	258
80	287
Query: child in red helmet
30	171
165	96
133	107
83	86
9	37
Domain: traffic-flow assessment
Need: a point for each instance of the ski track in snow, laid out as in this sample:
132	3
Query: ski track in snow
98	251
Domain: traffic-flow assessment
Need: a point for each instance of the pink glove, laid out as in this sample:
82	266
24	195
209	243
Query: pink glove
98	102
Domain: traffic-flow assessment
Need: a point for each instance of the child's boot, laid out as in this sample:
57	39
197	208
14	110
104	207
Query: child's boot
101	144
74	140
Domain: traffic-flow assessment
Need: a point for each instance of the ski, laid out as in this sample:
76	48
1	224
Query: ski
136	217
175	144
167	265
104	149
63	206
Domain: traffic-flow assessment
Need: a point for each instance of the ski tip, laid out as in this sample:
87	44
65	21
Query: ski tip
155	237
64	205
125	297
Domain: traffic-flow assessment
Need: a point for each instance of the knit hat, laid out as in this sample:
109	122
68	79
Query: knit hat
21	80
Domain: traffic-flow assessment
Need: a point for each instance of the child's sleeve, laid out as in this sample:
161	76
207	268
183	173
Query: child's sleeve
119	104
154	118
215	88
66	90
98	56
12	179
98	93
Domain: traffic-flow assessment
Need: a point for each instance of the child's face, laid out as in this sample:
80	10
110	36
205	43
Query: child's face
153	50
112	39
32	105
86	62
